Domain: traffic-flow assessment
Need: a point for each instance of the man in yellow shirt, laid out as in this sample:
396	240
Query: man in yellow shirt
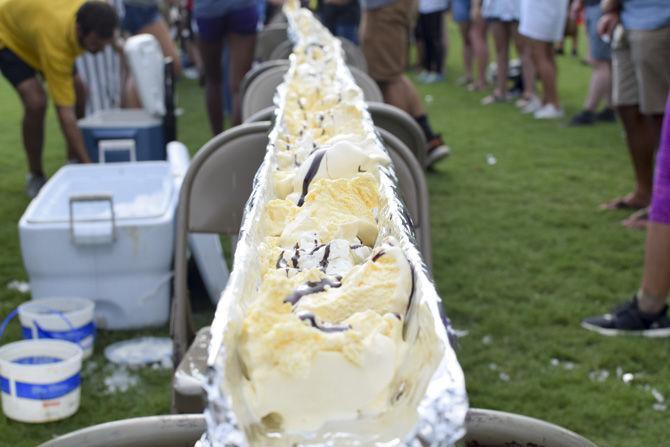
46	36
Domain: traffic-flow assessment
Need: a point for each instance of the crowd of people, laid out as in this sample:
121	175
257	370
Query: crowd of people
628	51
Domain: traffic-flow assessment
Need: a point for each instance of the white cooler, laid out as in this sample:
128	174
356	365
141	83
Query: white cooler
105	232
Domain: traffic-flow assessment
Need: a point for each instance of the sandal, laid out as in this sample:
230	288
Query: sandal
638	220
621	203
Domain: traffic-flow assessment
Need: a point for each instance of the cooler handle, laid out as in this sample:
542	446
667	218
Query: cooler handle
108	146
95	236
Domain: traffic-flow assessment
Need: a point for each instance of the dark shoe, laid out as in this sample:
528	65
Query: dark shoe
583	118
606	115
627	319
436	150
34	182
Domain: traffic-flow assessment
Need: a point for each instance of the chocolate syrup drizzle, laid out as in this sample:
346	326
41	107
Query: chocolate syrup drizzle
296	256
312	320
378	255
281	262
324	260
311	172
312	287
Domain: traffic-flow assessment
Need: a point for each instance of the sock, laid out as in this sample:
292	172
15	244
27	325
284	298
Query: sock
649	302
423	123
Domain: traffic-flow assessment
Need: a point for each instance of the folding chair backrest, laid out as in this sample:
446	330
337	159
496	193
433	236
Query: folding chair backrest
260	91
268	39
402	125
257	70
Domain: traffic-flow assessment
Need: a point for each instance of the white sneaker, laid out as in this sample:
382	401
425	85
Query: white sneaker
531	106
548	112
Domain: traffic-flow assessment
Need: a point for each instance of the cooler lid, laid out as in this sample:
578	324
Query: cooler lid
115	118
141	190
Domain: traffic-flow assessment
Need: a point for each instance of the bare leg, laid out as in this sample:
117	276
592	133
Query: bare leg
600	87
401	93
525	50
211	58
656	278
642	139
464	28
543	57
241	48
34	101
160	31
501	35
481	51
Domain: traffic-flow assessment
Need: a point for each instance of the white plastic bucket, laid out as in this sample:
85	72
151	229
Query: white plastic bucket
40	379
70	319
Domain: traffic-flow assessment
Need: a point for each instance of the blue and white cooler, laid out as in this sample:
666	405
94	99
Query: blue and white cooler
118	135
105	232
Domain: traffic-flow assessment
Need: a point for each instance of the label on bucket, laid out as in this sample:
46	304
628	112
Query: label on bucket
37	360
76	335
39	391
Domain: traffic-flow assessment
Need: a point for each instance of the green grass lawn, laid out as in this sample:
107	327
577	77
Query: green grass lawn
521	255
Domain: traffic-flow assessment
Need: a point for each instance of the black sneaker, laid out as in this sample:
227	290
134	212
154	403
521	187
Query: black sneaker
627	319
606	115
583	118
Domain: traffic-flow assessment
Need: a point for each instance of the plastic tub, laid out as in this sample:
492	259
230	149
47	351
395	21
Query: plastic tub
40	379
68	319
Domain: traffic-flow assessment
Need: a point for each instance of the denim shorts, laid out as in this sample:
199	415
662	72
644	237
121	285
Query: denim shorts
600	50
139	16
460	10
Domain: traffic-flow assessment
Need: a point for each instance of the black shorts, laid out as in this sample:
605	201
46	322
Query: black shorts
14	68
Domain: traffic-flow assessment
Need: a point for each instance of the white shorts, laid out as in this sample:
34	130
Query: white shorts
503	10
543	19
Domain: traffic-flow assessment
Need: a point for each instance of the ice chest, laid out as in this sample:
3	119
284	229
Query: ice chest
123	135
105	232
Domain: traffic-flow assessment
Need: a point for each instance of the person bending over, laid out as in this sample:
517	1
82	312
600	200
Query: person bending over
46	36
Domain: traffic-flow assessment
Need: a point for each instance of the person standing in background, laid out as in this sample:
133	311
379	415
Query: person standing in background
431	23
47	36
478	33
543	22
641	79
460	11
341	17
646	313
236	22
384	40
503	20
600	58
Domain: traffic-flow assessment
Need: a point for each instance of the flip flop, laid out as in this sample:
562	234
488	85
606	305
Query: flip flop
638	220
620	204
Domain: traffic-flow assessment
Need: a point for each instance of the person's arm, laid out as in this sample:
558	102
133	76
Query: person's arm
71	132
608	6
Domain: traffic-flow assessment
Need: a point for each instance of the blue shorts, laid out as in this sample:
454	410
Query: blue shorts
460	10
139	16
238	21
600	50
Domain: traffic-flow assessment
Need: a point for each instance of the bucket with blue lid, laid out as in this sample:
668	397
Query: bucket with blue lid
40	379
70	319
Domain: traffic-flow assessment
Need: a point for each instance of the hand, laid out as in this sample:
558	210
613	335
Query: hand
607	23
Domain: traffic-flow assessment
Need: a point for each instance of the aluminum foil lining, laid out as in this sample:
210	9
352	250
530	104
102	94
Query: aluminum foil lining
443	408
